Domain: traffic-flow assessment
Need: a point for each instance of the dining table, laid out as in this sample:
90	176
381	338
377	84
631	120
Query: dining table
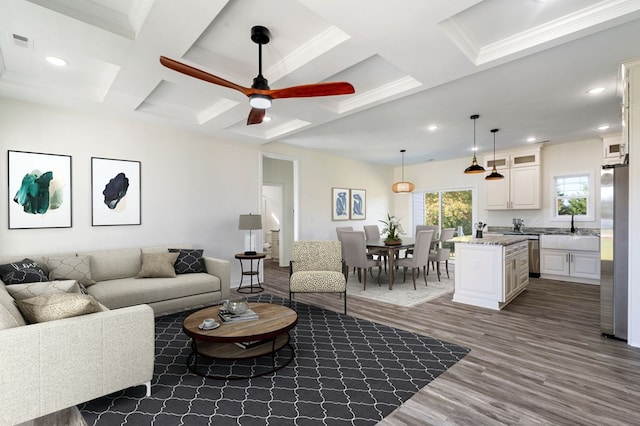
392	251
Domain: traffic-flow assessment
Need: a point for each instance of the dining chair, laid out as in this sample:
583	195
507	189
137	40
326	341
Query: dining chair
317	267
372	232
339	229
442	255
419	228
355	255
420	257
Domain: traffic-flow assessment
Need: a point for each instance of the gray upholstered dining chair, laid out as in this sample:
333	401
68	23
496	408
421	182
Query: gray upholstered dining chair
442	255
434	257
419	228
339	229
355	255
420	257
317	267
372	232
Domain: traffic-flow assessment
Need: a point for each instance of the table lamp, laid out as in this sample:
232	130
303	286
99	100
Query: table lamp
250	222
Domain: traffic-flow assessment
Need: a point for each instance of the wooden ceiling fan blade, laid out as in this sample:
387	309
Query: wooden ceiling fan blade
202	75
312	90
256	116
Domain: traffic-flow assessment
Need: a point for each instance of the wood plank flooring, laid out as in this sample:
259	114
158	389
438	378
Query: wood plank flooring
541	360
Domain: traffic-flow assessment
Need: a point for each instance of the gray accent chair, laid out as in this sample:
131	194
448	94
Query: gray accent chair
317	267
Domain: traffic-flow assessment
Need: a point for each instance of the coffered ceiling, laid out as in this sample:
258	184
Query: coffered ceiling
523	65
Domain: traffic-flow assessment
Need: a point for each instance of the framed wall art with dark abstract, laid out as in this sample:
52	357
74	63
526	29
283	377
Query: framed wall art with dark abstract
115	192
339	204
358	204
39	190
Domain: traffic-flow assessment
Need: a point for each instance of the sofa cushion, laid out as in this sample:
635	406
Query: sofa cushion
129	291
57	306
158	265
114	264
25	271
26	291
189	261
71	268
10	316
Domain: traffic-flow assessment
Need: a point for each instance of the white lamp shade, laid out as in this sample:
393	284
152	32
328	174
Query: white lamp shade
260	101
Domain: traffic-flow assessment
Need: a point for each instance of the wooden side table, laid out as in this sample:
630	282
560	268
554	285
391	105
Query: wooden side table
251	272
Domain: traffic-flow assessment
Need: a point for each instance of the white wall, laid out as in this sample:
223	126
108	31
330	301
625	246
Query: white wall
193	186
574	157
319	173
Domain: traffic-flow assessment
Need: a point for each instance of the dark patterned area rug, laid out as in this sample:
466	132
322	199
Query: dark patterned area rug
347	371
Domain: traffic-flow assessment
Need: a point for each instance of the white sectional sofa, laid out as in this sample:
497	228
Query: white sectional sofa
49	366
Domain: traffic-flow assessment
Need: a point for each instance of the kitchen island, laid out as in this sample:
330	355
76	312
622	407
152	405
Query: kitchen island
490	271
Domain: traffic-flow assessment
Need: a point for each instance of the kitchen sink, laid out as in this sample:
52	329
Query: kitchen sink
570	242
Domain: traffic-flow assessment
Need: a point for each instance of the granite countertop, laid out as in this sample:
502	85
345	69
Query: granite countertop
508	230
492	240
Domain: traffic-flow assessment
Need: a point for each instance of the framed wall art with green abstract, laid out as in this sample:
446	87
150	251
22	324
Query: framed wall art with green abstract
115	192
39	190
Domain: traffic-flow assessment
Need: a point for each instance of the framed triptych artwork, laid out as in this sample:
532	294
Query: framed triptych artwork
39	190
115	192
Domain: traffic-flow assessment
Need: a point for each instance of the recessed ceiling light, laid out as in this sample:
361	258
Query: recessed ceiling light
59	62
604	127
475	148
532	139
596	90
432	127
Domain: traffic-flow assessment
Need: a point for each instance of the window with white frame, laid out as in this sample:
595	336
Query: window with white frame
573	196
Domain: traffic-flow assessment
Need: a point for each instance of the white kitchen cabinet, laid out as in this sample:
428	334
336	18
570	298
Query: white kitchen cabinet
520	188
490	275
570	258
614	149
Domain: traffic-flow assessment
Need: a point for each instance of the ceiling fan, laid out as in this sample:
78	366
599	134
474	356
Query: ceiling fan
260	95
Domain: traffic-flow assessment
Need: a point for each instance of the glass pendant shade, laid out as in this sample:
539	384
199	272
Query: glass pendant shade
402	186
474	167
494	175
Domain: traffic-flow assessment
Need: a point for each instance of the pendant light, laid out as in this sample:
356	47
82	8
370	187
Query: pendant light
494	172
474	167
402	186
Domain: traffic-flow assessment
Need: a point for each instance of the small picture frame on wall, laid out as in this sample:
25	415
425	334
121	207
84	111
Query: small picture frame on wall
39	190
358	204
115	192
340	204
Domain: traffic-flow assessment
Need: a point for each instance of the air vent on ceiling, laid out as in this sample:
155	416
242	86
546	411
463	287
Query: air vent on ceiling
21	41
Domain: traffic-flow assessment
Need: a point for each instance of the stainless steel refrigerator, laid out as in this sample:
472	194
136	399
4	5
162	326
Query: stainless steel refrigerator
614	250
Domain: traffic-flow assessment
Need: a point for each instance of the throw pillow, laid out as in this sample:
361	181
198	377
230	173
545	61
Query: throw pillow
189	261
26	291
57	306
71	268
25	271
158	265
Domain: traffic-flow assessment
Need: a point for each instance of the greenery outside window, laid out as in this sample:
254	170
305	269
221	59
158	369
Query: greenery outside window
573	195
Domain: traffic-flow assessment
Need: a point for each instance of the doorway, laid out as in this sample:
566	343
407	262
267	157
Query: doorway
280	180
272	208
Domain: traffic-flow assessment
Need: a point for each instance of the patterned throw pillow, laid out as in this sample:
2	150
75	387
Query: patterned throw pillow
158	265
71	268
25	271
189	261
28	290
57	306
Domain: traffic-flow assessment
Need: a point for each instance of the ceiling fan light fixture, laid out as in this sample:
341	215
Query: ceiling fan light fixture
494	175
474	167
402	186
260	101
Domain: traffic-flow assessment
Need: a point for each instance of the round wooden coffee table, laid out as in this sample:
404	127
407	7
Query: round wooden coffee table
272	328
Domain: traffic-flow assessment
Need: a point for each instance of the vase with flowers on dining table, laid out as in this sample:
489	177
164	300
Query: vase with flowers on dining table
392	230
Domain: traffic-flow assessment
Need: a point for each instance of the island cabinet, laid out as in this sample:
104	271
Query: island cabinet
490	271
